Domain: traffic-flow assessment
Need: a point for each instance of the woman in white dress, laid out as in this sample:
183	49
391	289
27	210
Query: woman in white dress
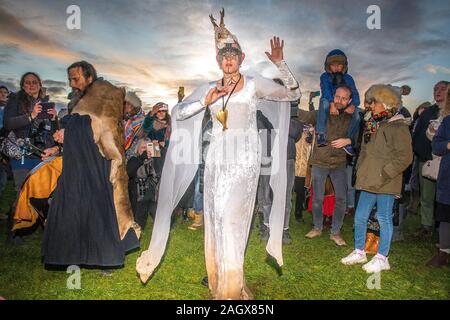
233	159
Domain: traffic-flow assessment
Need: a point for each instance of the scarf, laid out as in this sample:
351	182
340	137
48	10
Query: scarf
162	124
132	128
373	122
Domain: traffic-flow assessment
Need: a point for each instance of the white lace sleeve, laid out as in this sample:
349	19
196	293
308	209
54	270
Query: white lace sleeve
192	104
269	90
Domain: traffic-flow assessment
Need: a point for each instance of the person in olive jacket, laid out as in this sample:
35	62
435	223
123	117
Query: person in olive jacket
386	152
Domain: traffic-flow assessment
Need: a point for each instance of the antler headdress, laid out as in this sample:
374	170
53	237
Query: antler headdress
223	37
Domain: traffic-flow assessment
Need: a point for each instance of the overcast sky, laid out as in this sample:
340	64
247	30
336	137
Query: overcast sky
153	47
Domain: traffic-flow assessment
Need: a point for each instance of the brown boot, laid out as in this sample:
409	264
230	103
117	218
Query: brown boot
191	214
439	260
198	221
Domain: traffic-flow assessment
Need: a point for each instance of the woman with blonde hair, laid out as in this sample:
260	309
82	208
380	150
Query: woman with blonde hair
385	153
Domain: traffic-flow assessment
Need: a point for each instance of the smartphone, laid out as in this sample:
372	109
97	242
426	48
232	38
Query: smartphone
45	107
150	150
180	94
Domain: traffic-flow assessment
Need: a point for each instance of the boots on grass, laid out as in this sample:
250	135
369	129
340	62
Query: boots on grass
439	260
198	221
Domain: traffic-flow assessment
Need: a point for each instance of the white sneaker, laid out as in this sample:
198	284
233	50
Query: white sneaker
355	257
377	264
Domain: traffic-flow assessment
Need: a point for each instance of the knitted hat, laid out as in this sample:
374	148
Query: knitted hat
160	106
133	99
384	94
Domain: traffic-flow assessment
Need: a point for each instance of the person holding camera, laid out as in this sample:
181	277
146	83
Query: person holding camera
27	116
142	186
157	127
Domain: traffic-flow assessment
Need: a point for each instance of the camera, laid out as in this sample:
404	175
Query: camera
45	107
153	150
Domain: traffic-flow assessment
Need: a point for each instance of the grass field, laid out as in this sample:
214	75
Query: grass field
312	269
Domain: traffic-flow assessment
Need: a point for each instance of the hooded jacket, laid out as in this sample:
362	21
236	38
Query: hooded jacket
326	79
384	158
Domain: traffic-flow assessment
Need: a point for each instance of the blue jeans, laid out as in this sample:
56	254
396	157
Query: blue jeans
385	203
322	117
198	196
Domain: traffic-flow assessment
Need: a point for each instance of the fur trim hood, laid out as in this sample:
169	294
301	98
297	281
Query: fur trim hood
384	94
336	56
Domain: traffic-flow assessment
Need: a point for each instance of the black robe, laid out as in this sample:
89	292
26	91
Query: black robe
82	227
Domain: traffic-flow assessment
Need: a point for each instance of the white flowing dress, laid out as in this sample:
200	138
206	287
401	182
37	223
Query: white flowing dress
232	168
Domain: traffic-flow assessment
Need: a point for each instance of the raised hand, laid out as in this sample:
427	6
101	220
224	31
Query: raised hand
277	50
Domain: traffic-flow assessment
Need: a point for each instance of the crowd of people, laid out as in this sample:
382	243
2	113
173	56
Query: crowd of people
369	156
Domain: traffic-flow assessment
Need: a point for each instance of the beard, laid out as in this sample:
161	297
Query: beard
339	106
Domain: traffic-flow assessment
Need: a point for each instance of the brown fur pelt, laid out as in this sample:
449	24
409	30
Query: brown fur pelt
103	102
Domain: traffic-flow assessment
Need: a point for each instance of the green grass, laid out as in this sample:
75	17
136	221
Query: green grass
312	269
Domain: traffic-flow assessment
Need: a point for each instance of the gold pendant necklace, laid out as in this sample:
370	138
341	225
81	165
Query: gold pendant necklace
222	115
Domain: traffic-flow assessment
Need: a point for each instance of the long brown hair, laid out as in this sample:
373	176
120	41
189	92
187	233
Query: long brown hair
23	98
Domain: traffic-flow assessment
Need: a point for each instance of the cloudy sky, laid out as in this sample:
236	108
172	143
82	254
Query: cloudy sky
153	47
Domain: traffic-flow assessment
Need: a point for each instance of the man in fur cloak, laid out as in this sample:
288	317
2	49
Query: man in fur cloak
90	221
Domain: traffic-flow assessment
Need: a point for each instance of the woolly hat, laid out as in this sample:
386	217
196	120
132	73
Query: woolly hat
160	106
133	99
384	94
336	56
